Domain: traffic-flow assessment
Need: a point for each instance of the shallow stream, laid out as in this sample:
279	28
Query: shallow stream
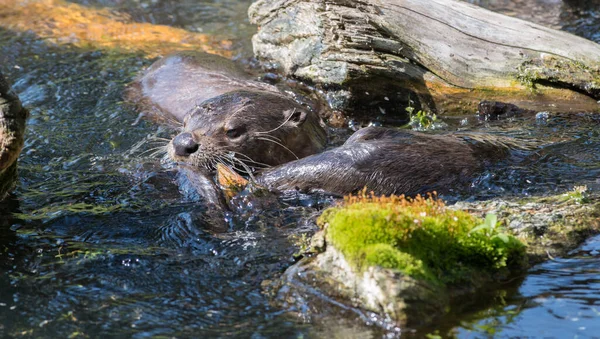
99	239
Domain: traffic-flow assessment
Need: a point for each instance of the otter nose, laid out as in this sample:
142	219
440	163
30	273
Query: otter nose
184	144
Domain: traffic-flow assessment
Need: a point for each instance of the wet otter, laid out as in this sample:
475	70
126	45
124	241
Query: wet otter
391	161
225	115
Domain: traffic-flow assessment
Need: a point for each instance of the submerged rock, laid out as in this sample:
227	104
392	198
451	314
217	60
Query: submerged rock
12	128
549	226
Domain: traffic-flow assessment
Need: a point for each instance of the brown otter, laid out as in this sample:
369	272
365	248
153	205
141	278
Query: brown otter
225	115
391	161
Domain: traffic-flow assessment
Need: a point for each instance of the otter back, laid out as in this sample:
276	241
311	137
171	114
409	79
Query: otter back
390	161
174	85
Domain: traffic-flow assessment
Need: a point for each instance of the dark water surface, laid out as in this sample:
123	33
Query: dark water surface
100	241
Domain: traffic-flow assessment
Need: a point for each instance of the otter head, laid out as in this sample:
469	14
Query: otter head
247	128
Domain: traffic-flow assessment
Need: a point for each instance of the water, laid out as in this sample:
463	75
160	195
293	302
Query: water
100	241
557	299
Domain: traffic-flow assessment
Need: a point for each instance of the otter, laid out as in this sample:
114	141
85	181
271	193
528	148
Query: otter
392	161
228	118
224	115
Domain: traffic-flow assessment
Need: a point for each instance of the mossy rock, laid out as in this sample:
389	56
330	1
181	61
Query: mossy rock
421	238
550	226
407	258
416	259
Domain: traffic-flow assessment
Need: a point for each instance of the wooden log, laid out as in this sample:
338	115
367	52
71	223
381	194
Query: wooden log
12	129
448	54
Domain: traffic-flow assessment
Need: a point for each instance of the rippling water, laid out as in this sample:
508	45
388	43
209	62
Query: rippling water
557	299
100	241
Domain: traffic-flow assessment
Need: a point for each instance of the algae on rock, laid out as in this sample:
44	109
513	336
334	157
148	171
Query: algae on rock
419	237
407	258
411	259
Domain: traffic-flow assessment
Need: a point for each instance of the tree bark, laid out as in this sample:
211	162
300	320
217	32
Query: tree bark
448	54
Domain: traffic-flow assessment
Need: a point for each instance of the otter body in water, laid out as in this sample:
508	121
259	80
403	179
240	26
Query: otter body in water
226	116
391	161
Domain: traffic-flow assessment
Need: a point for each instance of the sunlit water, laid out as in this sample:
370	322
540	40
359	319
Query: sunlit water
100	241
557	299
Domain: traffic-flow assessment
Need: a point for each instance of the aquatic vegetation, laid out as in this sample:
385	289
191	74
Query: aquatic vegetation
420	237
579	194
420	120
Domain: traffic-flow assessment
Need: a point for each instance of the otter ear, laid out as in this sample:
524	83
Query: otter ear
297	118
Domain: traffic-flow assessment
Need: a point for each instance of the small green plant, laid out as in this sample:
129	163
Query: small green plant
489	226
419	120
579	194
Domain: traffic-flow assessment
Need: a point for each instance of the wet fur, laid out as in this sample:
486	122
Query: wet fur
208	95
205	95
391	161
269	139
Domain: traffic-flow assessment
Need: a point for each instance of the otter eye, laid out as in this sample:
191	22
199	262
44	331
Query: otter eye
296	116
234	133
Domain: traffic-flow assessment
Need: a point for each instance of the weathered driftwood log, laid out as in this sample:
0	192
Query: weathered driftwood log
449	54
12	128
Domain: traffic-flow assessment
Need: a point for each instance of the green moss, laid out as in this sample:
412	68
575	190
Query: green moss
387	256
419	237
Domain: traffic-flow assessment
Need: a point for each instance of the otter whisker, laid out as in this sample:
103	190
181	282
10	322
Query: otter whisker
137	146
161	149
159	153
280	144
206	164
249	160
230	161
272	137
155	138
231	164
282	124
157	144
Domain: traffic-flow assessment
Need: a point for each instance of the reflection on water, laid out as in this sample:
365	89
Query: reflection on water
99	240
558	299
62	22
